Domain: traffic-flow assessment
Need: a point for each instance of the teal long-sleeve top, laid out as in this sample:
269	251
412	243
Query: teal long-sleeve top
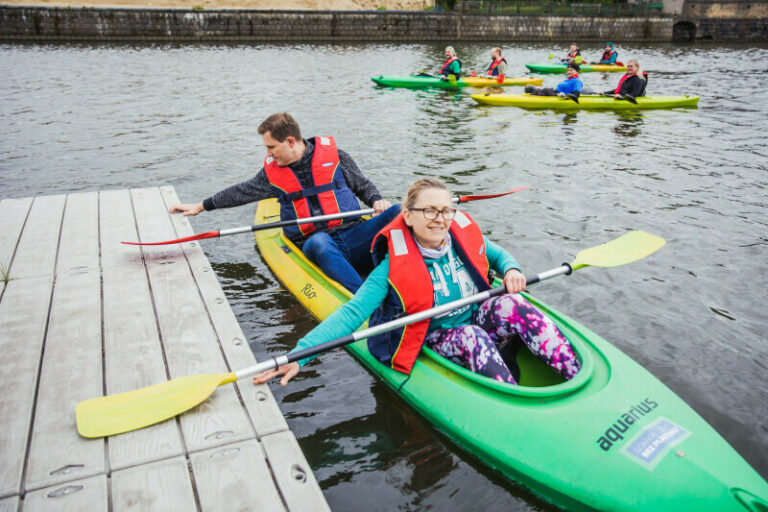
448	286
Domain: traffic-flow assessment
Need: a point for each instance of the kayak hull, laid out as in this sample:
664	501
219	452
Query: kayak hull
422	82
585	102
612	438
558	67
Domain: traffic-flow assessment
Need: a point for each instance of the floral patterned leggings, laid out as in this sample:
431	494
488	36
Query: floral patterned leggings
496	322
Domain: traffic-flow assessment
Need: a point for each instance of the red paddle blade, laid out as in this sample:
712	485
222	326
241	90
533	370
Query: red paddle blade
209	234
464	199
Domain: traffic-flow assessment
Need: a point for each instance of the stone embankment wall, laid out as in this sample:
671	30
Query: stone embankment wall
134	24
723	20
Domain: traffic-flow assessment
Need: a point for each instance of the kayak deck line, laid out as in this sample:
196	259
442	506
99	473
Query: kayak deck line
604	461
560	67
586	102
422	82
82	316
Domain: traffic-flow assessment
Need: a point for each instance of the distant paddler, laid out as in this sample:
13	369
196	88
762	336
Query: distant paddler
574	55
632	84
572	85
452	64
609	55
498	65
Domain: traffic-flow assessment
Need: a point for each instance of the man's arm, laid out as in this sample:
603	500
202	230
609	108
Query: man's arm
361	186
254	189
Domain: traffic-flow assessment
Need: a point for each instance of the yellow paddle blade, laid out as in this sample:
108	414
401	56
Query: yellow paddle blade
627	248
115	414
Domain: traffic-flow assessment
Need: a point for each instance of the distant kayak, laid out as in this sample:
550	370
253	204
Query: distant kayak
559	67
585	102
418	82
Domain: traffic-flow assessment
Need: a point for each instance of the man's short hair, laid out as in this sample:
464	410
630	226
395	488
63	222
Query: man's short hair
280	126
498	49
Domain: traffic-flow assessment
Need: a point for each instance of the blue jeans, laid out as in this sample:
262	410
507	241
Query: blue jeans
344	254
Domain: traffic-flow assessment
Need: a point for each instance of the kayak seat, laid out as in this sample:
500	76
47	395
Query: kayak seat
509	353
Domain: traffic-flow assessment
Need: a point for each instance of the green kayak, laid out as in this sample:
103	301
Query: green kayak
420	82
612	438
559	67
585	102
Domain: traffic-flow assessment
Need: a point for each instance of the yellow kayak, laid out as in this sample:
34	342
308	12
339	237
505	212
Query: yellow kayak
585	102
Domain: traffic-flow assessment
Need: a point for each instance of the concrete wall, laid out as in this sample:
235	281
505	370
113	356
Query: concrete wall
134	24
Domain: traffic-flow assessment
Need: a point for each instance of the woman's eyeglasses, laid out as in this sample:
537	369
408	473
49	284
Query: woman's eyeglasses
432	213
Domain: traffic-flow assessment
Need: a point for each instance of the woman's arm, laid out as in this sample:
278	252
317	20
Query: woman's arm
343	321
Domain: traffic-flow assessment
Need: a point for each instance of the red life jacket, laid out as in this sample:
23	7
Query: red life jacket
621	81
494	65
607	55
574	54
294	203
444	70
411	289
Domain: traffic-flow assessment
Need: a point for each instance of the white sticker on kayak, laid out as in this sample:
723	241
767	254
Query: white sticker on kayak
651	444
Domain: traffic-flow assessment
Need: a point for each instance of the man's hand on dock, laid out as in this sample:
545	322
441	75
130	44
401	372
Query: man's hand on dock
187	209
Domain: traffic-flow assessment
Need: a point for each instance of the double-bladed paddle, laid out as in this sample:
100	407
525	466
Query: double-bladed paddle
115	414
305	220
627	97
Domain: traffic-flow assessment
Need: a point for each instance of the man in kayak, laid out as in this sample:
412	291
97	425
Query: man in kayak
574	55
609	55
632	84
452	64
433	254
311	177
571	85
498	64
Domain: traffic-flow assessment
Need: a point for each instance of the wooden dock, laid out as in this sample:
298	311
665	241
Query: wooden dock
82	315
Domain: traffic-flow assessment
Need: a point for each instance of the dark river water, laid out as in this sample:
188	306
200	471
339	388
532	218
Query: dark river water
76	118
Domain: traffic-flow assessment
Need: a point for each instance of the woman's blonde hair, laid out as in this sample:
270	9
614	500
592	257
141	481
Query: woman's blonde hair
419	185
639	71
450	49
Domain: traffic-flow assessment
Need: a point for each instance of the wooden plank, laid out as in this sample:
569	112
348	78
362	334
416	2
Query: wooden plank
157	487
9	504
79	244
70	373
294	477
188	338
117	224
14	214
259	401
240	473
133	359
83	495
23	319
39	242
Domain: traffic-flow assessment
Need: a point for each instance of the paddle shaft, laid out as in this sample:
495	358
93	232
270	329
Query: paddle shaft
276	362
293	222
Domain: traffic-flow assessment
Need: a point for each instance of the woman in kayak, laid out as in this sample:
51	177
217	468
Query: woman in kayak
609	55
571	85
452	64
432	254
632	83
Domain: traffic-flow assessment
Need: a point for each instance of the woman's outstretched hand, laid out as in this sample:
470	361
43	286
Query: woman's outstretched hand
288	371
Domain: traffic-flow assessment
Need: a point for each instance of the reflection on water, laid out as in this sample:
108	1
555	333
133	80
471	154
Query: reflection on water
692	314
